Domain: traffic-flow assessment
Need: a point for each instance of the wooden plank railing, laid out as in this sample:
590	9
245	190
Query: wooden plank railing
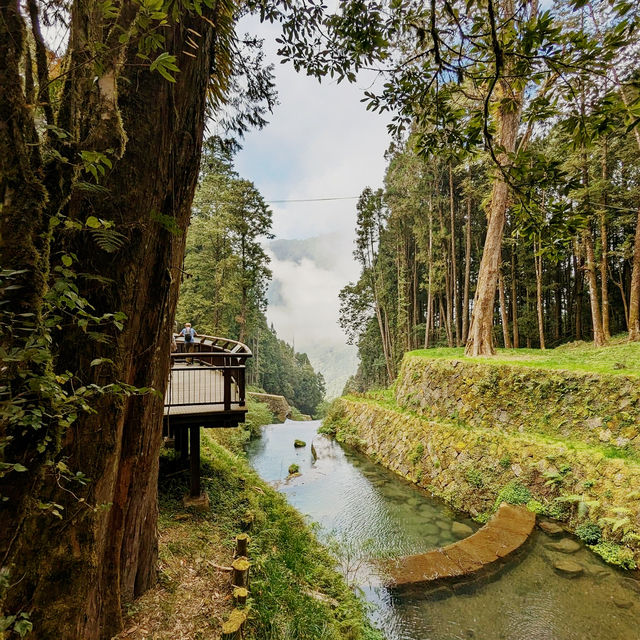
216	354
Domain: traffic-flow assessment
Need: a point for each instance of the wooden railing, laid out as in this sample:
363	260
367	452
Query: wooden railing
217	354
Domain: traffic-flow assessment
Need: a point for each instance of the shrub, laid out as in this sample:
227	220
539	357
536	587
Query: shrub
513	493
589	533
537	507
505	462
615	554
474	478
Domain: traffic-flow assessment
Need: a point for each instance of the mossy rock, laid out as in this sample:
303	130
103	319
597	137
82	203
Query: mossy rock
299	444
294	469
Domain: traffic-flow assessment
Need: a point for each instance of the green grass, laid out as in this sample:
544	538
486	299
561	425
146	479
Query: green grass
620	358
295	594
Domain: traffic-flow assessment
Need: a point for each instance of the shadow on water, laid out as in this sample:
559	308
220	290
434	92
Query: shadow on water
368	514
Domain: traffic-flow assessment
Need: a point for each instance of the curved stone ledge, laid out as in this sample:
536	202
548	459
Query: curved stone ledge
506	532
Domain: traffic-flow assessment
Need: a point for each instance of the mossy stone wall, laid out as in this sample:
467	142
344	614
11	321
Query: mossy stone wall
590	408
471	466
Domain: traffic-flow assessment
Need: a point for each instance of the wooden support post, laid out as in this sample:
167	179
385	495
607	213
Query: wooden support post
232	628
195	462
242	543
240	577
240	595
242	385
182	444
227	389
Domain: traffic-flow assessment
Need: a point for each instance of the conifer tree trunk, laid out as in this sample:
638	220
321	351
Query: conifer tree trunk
538	266
634	296
514	300
590	267
467	275
454	267
504	316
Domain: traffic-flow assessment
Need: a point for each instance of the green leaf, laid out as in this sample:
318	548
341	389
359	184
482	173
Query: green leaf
93	222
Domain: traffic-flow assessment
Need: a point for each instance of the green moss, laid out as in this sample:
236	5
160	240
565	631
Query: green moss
505	462
293	468
615	554
416	455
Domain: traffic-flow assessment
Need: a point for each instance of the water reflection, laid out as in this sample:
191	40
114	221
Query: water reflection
375	514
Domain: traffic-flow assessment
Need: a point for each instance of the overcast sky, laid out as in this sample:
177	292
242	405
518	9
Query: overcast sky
320	142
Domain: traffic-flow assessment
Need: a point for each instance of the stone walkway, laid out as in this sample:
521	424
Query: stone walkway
502	535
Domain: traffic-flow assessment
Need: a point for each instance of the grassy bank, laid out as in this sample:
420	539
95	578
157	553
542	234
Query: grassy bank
620	357
294	591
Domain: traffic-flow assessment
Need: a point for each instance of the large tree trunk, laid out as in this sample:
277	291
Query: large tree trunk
509	99
75	574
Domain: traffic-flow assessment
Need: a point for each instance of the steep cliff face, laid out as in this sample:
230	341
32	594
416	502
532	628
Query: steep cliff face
462	432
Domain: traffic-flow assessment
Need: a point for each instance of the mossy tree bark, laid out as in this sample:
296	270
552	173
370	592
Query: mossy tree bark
509	99
75	574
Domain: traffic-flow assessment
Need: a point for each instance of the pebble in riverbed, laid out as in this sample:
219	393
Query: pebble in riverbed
550	528
461	530
568	568
566	545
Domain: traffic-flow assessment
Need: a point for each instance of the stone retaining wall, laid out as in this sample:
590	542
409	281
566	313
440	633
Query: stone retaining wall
471	468
591	408
278	405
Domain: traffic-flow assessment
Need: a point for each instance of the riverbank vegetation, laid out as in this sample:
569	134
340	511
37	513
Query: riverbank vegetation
295	594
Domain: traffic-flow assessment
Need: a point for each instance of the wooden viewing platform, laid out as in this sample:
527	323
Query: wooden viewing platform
206	389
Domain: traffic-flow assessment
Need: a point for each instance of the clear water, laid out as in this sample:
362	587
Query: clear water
369	514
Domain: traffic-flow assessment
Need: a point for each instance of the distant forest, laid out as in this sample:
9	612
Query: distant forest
226	275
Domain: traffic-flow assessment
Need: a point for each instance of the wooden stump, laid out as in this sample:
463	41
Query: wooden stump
240	576
242	544
247	520
240	595
232	628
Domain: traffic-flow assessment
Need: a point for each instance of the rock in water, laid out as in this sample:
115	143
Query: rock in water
299	443
566	545
320	447
622	602
550	528
568	568
461	530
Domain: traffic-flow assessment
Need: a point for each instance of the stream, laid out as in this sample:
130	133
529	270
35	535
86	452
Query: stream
370	513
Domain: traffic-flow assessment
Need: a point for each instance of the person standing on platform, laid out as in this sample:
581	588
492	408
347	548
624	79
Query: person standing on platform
189	334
